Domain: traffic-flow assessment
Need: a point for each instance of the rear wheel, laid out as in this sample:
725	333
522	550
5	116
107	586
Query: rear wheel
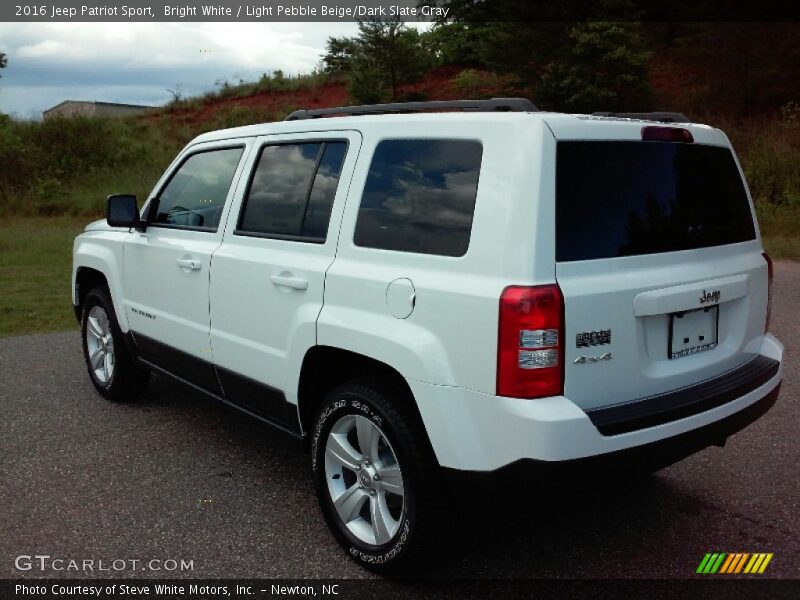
375	477
112	369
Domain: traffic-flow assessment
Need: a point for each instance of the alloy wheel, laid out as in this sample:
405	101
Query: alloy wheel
100	344
364	479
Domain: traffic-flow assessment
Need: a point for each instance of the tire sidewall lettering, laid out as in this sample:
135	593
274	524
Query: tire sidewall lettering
384	557
354	405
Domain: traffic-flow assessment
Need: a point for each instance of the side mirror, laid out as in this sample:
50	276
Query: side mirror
122	211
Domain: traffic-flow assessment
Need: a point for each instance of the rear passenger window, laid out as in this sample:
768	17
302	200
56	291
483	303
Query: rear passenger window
292	191
318	211
420	196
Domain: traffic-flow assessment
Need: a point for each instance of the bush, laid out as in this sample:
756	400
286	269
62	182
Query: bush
367	82
468	82
772	163
68	166
275	81
237	116
471	83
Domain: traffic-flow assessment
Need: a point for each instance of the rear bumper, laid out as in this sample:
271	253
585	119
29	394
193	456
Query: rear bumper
472	431
638	459
685	402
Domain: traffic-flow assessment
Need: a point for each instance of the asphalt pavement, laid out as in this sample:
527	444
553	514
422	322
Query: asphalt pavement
176	477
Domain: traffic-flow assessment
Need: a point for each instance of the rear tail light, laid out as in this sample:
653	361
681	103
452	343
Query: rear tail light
655	133
769	290
530	351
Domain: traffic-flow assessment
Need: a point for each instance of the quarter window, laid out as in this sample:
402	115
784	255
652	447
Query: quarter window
195	194
292	190
420	196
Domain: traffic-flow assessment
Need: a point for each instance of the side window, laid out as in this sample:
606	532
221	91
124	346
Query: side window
420	196
195	194
292	190
320	202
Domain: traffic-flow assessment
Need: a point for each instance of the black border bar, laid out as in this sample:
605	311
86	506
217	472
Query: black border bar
684	402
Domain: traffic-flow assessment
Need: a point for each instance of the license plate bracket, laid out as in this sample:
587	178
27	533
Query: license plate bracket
693	331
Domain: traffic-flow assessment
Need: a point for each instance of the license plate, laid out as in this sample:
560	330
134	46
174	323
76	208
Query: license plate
693	331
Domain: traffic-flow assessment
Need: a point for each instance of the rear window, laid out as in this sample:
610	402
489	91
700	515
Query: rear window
629	198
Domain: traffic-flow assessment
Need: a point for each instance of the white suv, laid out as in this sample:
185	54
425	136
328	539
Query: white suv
430	297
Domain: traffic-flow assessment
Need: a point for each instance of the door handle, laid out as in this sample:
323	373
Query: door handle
189	263
289	281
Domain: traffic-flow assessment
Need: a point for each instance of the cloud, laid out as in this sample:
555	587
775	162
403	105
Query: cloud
137	62
45	49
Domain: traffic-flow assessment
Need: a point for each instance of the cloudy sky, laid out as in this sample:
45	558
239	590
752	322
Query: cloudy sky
136	63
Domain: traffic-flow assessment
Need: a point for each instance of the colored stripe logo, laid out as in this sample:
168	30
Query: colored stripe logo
734	563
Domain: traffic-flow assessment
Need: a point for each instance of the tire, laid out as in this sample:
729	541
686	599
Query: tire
113	371
388	533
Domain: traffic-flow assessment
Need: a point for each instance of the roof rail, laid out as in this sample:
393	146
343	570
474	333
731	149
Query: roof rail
661	117
491	105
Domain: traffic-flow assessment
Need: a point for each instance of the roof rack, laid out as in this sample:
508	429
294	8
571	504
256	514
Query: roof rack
661	117
491	105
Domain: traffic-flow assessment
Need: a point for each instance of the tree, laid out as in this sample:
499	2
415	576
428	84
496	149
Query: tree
395	48
384	55
3	65
176	93
339	54
566	54
605	69
513	37
744	68
367	81
452	44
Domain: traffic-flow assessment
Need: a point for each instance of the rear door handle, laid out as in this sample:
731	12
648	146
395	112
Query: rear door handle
289	281
189	263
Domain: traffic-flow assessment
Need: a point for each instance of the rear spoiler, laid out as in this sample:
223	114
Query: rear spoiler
660	117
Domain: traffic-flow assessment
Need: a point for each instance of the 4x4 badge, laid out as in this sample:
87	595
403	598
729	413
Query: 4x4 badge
592	359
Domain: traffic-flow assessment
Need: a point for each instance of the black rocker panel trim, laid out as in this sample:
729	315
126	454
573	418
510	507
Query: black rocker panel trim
294	432
258	397
686	401
190	368
255	399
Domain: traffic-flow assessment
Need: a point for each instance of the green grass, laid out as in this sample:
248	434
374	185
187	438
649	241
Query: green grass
35	271
780	230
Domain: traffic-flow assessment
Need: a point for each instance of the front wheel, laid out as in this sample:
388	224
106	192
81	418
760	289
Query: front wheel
112	369
375	477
